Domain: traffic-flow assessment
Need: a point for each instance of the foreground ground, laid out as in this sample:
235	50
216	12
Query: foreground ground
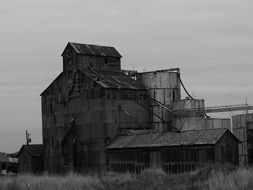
211	177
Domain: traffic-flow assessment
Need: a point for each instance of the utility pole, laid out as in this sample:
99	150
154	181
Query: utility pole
246	132
28	137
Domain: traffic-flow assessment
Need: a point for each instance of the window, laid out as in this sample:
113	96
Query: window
106	60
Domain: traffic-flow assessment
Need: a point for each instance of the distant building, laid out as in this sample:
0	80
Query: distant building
243	130
8	164
31	158
92	104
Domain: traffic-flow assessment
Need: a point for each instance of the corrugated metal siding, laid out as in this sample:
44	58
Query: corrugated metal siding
95	50
198	137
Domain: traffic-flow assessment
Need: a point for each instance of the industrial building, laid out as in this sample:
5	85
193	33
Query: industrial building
243	130
98	117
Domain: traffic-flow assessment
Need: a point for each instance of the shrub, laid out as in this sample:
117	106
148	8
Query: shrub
212	177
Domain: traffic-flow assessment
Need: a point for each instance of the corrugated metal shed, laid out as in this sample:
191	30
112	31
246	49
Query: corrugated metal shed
33	149
113	79
196	137
88	49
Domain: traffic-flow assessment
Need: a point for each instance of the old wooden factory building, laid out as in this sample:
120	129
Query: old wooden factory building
98	117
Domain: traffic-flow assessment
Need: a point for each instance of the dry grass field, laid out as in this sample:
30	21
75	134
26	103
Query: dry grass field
207	178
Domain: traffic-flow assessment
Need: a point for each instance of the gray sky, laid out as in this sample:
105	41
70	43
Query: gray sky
210	40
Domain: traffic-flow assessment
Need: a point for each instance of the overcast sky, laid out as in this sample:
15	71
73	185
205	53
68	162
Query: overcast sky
211	41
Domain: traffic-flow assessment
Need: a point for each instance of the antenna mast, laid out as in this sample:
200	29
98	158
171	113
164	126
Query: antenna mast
28	137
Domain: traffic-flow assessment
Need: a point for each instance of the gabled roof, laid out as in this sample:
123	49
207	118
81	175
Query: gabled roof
106	79
33	149
57	78
196	137
96	50
112	79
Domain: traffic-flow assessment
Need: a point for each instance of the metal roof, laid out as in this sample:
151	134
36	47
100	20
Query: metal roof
196	137
112	79
33	149
97	50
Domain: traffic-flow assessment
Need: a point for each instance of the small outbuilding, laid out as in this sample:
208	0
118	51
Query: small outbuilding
31	158
173	152
8	164
4	161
